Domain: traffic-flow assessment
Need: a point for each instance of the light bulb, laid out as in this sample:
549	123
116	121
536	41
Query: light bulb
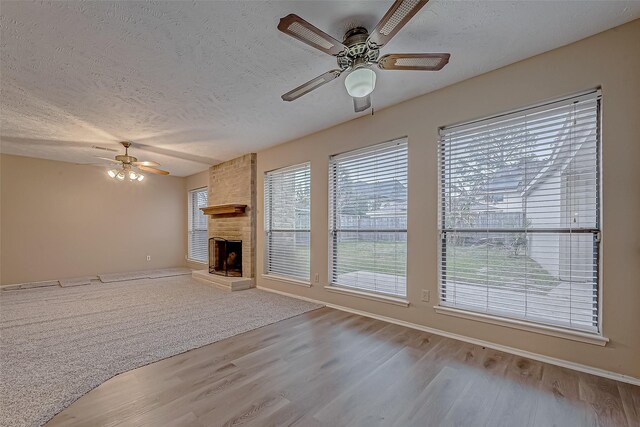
360	82
112	173
133	176
140	177
120	175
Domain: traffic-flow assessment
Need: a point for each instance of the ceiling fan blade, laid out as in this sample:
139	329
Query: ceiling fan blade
311	85
153	170
362	104
97	147
414	61
396	17
146	163
108	159
300	29
176	154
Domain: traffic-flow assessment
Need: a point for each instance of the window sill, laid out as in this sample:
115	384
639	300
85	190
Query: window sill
195	261
368	295
286	280
559	332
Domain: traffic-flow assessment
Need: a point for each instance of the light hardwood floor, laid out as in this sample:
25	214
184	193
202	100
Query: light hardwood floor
331	368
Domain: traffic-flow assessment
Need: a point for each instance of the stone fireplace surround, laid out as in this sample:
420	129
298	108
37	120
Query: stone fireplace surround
234	182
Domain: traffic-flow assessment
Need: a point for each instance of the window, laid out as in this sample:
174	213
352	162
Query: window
287	224
520	214
368	219
197	245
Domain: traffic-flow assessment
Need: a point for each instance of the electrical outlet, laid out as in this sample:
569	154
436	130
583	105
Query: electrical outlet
148	257
426	294
316	278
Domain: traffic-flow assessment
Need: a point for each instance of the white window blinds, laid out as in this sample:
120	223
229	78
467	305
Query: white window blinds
368	218
197	244
287	200
520	214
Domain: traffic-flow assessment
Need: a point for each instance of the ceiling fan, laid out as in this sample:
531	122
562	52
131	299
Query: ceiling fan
359	52
129	164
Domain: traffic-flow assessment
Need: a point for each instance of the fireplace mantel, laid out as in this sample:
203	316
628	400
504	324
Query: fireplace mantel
229	209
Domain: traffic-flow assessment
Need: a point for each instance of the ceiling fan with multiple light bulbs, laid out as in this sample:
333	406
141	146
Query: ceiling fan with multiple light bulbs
359	52
129	166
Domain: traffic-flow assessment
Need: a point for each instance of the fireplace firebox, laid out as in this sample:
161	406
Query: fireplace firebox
225	257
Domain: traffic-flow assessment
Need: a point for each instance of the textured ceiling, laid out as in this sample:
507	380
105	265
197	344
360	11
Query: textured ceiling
194	83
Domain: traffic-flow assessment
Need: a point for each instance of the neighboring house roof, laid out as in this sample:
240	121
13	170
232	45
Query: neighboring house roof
390	210
551	165
557	162
387	189
514	177
482	207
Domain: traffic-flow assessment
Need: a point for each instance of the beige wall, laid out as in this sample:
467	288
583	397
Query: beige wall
610	60
193	182
61	220
199	180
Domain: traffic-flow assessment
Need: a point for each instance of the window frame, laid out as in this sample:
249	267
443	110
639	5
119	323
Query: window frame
190	212
267	242
524	323
335	286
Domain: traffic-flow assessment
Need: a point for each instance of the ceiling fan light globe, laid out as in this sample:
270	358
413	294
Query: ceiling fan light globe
112	173
140	177
120	175
360	82
133	176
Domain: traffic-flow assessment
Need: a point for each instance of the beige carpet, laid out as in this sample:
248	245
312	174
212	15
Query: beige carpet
56	344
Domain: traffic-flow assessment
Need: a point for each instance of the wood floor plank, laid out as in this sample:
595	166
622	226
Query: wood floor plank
436	399
329	368
559	400
484	369
604	396
379	409
333	373
345	407
517	401
631	403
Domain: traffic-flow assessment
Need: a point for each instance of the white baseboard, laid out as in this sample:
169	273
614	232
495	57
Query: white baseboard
523	353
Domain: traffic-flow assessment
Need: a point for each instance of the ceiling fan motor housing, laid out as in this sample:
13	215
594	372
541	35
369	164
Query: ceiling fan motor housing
126	159
358	53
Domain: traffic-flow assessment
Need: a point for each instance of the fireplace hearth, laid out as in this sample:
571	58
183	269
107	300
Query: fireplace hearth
225	257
